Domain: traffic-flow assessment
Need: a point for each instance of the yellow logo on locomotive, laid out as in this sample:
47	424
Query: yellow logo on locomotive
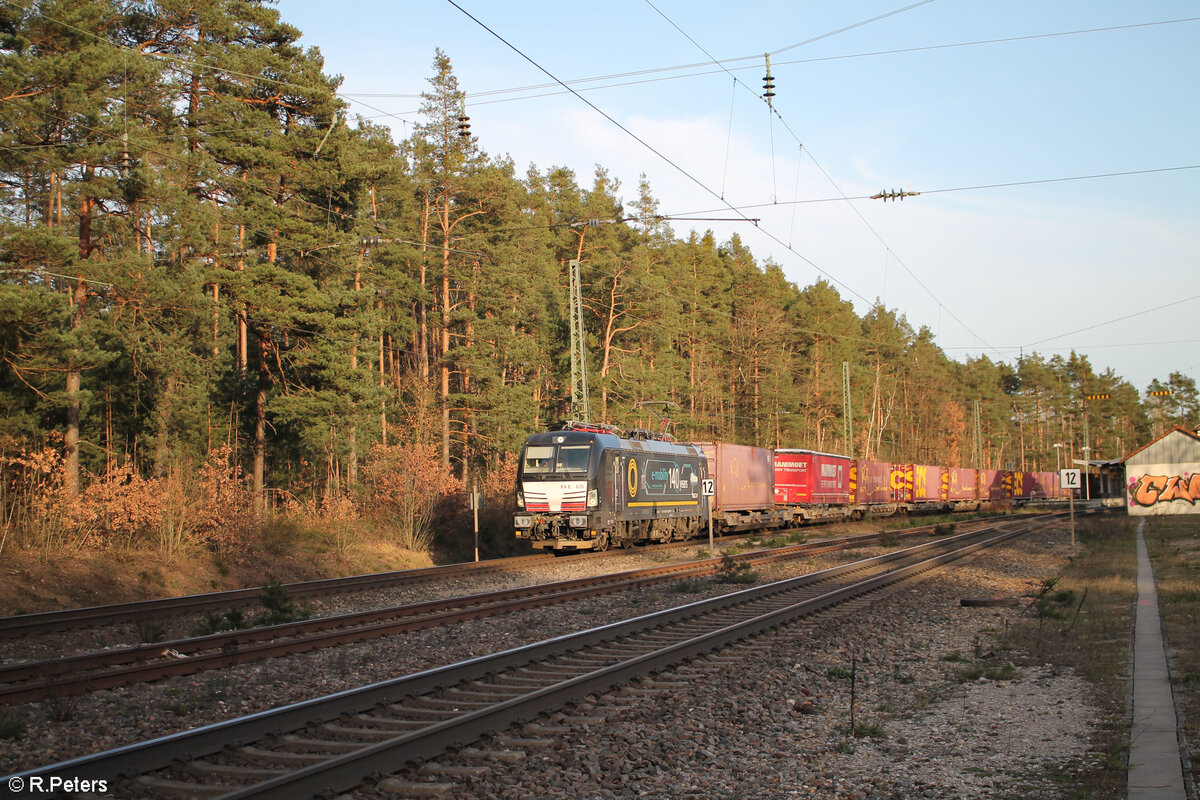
632	478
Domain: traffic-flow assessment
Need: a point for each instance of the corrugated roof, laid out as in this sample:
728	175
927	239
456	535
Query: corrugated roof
1178	446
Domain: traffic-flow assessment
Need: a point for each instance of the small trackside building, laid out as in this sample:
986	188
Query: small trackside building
1164	476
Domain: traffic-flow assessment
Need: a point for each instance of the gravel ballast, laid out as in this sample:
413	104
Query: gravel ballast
767	719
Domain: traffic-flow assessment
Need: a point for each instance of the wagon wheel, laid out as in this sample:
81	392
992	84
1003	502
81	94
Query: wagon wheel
602	542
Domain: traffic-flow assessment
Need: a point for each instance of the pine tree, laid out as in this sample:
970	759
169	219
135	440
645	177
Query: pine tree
61	133
1179	408
444	162
827	333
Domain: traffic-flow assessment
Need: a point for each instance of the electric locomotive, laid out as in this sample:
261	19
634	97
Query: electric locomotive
588	487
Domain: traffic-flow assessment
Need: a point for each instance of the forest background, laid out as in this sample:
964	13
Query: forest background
235	322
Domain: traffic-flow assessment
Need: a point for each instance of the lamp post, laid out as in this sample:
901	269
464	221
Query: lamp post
1058	446
1087	484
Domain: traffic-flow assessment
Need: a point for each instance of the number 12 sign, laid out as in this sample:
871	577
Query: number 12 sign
1070	478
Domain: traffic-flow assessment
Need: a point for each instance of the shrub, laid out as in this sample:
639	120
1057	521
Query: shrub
688	586
868	730
12	725
735	571
122	509
232	619
280	606
404	483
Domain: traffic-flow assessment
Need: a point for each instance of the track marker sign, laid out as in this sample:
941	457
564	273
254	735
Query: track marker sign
708	488
1071	478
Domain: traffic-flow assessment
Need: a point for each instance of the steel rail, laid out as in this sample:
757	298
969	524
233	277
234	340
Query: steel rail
341	772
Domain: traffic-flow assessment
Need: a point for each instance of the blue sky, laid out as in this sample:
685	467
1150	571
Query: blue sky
1037	266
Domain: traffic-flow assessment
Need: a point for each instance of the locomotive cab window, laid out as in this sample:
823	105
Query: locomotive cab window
537	460
574	458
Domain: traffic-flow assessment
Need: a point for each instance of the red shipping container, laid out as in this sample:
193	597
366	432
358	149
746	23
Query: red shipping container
1020	485
962	484
805	477
874	482
745	476
1045	484
928	483
994	484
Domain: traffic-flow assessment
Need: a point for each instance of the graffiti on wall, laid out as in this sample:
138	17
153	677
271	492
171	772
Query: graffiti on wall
1164	489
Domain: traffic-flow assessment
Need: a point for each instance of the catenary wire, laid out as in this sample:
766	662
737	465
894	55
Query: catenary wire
972	188
773	112
474	96
655	151
1112	321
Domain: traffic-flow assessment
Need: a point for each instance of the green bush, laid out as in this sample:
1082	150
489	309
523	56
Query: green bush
12	725
735	571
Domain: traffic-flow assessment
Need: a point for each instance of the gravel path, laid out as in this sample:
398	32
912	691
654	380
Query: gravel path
768	719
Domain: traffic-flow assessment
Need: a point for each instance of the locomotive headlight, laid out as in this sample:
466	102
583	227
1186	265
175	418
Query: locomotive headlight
520	499
522	522
578	522
593	498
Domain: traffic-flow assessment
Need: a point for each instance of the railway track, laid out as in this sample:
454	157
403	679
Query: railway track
144	611
106	669
332	744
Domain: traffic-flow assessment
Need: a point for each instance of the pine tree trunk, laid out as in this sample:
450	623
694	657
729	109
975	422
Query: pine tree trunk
422	309
352	466
444	352
71	436
162	437
383	424
216	320
74	371
243	359
260	429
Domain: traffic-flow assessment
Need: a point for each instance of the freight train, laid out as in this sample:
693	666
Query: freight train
591	487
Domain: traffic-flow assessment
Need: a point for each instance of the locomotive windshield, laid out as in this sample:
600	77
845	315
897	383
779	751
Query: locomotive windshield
545	459
573	458
538	459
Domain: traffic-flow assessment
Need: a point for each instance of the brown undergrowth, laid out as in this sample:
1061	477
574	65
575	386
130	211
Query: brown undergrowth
126	536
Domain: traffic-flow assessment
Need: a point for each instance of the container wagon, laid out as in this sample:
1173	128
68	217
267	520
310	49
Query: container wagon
744	480
875	489
962	490
813	486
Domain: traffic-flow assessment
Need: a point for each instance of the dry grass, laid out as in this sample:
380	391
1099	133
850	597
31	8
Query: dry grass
1084	622
1174	547
31	581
